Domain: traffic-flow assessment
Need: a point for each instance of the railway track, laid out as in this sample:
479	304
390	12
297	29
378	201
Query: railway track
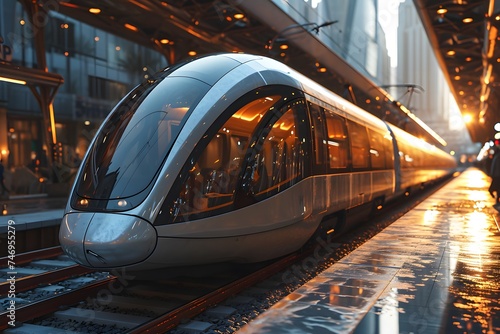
118	303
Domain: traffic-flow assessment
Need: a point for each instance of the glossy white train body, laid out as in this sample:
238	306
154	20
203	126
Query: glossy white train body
233	158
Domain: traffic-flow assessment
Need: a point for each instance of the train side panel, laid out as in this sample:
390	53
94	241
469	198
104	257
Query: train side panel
420	162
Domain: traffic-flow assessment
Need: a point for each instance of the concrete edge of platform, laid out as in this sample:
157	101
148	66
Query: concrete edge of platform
28	221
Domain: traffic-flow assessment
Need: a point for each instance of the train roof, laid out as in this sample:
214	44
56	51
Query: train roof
272	71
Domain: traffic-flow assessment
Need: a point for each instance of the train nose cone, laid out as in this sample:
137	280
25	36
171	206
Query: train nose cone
72	234
104	240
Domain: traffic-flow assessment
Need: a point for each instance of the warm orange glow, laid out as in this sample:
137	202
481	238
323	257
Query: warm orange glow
164	41
487	75
239	16
442	11
284	46
52	123
139	4
467	20
192	53
131	27
94	10
451	53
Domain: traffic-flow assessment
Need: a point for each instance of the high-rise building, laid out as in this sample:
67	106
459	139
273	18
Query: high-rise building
431	99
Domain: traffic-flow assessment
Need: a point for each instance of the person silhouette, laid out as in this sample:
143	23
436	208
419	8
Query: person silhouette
494	188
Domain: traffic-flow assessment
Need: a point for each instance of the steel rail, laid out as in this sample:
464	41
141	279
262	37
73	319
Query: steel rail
52	276
171	319
25	258
53	304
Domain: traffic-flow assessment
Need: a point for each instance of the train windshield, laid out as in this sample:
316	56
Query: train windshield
136	138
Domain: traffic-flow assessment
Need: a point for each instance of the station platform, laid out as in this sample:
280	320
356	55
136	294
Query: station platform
31	211
35	220
434	270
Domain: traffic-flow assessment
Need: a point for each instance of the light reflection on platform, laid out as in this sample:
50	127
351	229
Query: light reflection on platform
435	270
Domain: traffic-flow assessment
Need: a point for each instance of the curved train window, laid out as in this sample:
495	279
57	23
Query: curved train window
337	140
214	175
359	145
319	134
280	158
134	141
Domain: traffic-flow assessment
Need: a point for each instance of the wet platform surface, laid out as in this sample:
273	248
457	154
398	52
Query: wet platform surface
435	270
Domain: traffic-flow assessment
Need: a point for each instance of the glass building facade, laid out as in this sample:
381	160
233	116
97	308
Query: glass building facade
98	68
354	32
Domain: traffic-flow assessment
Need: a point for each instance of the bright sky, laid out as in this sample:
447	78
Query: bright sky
388	19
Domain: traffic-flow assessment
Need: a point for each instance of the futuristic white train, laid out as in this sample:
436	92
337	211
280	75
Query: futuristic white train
232	158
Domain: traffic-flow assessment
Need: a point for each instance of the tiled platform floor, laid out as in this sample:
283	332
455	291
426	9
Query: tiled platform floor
434	270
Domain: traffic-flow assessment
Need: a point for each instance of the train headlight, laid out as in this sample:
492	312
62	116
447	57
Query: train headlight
122	203
83	202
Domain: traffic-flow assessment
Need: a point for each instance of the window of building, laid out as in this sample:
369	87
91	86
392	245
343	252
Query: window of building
101	88
61	36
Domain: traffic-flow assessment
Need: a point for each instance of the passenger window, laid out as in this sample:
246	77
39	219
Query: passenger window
377	150
389	150
359	145
214	176
337	140
280	161
320	141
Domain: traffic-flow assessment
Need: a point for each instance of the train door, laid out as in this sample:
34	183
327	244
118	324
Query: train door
361	187
338	160
396	161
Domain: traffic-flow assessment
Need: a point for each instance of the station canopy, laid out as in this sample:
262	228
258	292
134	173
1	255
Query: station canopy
178	28
465	35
